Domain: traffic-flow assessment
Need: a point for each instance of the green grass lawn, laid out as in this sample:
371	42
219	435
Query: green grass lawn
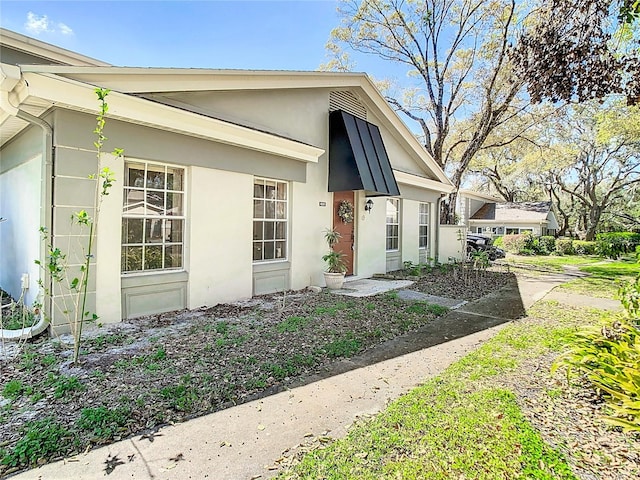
605	278
461	424
552	262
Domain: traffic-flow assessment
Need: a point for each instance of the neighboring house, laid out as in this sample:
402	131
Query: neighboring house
228	181
509	218
469	202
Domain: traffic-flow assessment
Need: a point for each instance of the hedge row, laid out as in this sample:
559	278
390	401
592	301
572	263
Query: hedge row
610	245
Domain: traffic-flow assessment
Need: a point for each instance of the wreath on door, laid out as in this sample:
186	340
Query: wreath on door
345	211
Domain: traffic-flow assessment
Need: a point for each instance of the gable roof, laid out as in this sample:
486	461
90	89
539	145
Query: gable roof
136	86
42	52
516	212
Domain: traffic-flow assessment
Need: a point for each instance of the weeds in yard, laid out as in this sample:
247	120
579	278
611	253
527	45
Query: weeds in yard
424	308
63	385
40	439
181	397
331	309
14	390
346	346
103	340
102	422
292	324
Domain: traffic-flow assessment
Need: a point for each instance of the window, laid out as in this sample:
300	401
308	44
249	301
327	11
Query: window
393	224
423	226
270	214
152	217
515	230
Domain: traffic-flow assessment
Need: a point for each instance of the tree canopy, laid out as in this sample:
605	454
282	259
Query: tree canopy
580	50
456	55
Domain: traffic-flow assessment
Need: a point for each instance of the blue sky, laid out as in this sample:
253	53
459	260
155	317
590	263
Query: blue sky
263	34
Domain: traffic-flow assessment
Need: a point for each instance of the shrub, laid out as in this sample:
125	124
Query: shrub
546	245
609	356
614	244
521	243
583	247
499	242
564	246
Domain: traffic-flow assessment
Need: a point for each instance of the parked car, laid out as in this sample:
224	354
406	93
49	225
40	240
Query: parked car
480	243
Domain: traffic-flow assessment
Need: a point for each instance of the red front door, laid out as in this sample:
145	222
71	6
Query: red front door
346	244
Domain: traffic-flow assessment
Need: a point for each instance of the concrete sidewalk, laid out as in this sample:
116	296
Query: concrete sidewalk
245	442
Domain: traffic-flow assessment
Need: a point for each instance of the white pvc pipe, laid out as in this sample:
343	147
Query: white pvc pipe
26	332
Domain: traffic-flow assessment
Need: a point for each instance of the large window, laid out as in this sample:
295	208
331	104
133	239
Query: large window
423	226
152	217
393	224
270	216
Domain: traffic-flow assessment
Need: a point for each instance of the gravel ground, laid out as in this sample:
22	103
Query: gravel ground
138	375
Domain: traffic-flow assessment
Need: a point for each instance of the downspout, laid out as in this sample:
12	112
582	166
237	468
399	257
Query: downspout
46	180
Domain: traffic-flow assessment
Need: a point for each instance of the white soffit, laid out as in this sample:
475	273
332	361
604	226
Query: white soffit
422	182
81	96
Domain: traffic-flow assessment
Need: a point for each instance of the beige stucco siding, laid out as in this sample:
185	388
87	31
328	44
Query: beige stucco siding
20	197
108	250
409	231
160	146
219	262
300	114
371	248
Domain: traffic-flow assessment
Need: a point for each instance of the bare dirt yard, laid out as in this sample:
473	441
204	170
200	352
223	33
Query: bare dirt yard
138	375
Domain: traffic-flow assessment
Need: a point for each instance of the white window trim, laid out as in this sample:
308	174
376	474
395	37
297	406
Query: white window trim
420	224
399	222
286	220
183	217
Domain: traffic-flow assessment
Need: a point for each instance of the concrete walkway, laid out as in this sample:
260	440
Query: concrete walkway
246	441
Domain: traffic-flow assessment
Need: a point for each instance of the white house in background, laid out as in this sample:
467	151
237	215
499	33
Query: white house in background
489	215
469	202
228	181
508	218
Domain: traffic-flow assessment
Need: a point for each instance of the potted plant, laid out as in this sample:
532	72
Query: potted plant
336	268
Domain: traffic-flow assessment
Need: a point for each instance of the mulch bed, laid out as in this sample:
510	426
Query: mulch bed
168	368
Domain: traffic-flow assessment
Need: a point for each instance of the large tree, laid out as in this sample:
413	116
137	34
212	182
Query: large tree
581	50
457	55
584	157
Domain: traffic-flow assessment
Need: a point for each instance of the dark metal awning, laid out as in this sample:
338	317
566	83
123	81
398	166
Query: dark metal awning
357	157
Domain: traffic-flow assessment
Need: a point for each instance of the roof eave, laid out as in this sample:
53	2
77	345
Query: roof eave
137	80
73	94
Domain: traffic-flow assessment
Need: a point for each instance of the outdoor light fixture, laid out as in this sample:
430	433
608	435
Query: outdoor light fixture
368	206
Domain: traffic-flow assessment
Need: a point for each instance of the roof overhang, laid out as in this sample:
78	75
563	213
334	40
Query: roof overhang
140	81
512	222
422	182
75	95
484	197
357	157
46	51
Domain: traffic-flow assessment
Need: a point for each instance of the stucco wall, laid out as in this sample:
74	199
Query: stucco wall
20	197
370	233
452	243
218	263
294	113
220	210
145	143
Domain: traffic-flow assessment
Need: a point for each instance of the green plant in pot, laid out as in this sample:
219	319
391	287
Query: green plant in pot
336	268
